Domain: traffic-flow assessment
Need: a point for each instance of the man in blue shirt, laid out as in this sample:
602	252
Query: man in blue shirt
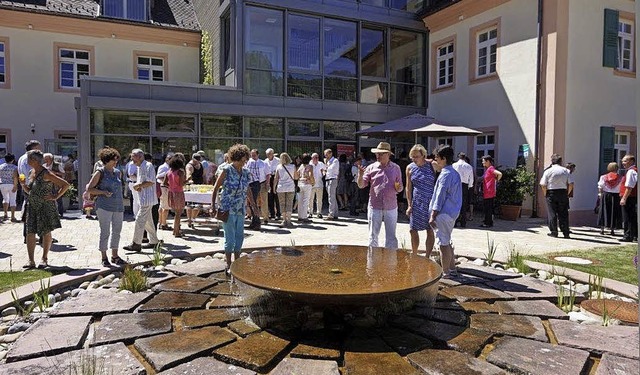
445	206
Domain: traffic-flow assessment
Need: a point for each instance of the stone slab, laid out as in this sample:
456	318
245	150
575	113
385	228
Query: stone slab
297	366
404	342
488	273
175	302
471	341
244	327
219	276
514	325
159	277
174	348
432	330
206	366
185	284
618	340
201	318
203	267
447	362
478	292
479	307
316	345
451	317
366	355
101	302
540	308
461	279
223	288
127	327
256	352
614	365
446	305
50	336
226	302
113	359
527	288
531	357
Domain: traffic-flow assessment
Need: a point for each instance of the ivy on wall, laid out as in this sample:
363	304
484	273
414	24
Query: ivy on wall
206	59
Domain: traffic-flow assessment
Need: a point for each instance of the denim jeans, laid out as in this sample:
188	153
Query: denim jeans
390	219
233	234
110	223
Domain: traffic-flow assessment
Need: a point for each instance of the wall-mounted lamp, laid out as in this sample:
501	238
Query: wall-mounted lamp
113	36
30	26
184	44
33	128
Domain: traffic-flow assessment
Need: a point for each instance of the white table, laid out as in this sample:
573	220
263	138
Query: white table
197	197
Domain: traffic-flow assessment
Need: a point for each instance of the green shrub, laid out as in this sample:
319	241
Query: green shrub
133	280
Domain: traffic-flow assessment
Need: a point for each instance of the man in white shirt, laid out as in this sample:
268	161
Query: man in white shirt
465	170
331	181
317	190
629	199
145	186
164	197
260	177
555	184
274	203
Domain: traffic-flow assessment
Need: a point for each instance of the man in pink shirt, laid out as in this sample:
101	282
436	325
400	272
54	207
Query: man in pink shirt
489	179
385	179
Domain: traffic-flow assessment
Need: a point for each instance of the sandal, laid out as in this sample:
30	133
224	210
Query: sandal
179	234
118	261
31	264
43	263
105	263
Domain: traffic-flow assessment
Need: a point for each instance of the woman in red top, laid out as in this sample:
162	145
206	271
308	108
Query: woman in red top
489	179
609	211
175	180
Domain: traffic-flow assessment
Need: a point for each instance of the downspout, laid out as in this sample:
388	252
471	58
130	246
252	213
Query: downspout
536	137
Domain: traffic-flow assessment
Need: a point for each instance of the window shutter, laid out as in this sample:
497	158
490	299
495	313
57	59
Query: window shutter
610	42
607	142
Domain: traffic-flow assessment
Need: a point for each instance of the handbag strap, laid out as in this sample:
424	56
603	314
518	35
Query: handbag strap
287	170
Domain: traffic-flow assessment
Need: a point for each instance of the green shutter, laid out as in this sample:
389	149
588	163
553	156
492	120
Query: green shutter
607	142
610	42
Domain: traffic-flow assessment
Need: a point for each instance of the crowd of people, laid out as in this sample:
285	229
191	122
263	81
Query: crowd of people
437	189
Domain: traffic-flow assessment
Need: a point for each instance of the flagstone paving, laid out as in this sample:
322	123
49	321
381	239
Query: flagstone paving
472	329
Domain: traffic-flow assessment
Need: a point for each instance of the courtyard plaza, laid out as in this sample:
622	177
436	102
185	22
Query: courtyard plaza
484	320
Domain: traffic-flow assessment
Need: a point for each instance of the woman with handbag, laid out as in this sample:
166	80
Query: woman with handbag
41	211
284	186
305	184
234	181
106	186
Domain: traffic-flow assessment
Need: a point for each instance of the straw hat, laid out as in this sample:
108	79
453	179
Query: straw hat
382	148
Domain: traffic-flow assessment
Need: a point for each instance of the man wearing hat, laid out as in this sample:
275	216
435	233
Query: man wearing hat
385	181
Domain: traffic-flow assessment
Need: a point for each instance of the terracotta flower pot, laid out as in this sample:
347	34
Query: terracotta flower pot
509	212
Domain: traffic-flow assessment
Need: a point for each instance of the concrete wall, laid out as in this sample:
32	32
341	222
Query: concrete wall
506	103
595	96
31	98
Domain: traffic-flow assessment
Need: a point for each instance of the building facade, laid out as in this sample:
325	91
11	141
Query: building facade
296	76
46	48
489	57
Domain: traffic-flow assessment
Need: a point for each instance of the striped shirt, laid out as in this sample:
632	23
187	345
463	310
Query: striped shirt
146	172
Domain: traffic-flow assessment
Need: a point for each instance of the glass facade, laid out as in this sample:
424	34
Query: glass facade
214	134
333	59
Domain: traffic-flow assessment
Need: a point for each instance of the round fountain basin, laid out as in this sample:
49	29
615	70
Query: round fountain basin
337	274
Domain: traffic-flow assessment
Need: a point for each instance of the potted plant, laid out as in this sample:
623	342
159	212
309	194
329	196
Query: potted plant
514	186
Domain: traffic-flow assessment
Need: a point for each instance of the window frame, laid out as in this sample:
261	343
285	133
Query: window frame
151	55
6	54
58	61
435	59
473	145
7	134
474	50
124	11
629	18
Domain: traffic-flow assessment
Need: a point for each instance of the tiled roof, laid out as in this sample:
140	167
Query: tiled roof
167	13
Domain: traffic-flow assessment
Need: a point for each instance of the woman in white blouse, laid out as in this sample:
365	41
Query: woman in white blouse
283	184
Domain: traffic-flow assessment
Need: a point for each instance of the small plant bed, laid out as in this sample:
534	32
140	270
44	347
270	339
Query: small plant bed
612	262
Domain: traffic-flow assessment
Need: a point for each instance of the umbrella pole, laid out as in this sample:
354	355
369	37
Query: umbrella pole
415	138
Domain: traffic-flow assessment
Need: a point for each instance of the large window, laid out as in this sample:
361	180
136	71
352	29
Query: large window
303	56
485	145
264	51
4	72
151	67
625	45
486	52
373	65
406	64
119	122
175	123
340	60
621	145
128	9
72	64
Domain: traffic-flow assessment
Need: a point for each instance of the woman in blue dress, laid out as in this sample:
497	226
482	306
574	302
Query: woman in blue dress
420	182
